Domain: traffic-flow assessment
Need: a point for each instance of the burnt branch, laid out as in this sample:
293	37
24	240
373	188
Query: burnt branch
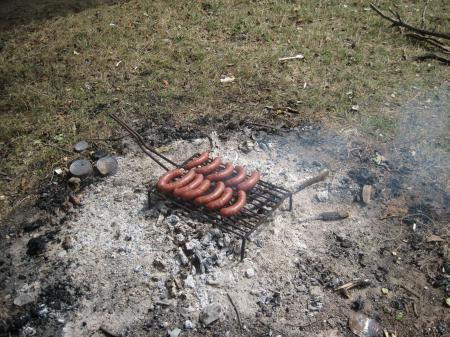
397	21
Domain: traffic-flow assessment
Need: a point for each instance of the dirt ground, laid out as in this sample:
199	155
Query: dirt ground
117	261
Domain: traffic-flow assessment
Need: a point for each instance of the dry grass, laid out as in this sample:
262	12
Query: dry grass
64	65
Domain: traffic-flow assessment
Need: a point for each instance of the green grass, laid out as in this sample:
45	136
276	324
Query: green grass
65	65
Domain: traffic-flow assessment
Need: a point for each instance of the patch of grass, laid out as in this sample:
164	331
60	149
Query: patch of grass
67	64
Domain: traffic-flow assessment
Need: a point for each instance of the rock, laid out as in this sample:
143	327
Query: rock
188	325
174	332
31	226
358	304
23	299
81	168
189	282
37	246
211	313
75	199
183	258
190	246
172	219
323	196
74	183
100	153
81	146
367	194
250	273
246	146
67	242
385	291
107	166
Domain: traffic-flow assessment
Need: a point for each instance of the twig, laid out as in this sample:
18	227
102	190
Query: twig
322	175
353	284
434	42
57	147
431	56
422	23
235	310
400	23
108	332
409	290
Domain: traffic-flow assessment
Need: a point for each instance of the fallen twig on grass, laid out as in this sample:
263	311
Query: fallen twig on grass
398	21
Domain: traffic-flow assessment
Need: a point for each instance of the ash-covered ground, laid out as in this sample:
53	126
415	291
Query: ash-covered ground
121	263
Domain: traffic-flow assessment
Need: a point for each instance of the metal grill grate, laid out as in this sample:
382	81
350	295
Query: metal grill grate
262	201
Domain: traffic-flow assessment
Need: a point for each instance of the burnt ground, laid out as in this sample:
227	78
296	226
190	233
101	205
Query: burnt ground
109	262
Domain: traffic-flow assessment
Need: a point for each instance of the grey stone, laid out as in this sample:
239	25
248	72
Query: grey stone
74	183
81	168
250	273
107	166
23	299
81	146
189	282
188	325
183	258
211	313
172	219
323	196
174	332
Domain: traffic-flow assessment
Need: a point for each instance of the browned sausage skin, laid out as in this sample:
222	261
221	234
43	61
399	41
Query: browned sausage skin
211	167
178	192
222	200
202	158
250	182
221	175
236	207
215	193
238	178
195	192
166	185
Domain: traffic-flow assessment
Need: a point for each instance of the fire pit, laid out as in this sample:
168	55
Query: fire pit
262	200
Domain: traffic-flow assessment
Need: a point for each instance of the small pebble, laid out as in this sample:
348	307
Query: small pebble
249	273
81	168
107	166
81	146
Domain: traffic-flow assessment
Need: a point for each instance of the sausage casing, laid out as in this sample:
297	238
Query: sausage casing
203	157
215	193
178	192
250	182
236	207
166	185
211	167
195	192
221	175
238	178
222	200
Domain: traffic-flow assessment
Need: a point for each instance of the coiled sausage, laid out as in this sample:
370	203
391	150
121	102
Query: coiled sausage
211	167
203	157
238	178
221	175
215	193
195	192
250	182
222	200
194	184
236	207
165	185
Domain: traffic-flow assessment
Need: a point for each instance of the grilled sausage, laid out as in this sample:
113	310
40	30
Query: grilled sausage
216	192
166	185
238	178
211	167
178	192
221	175
195	192
222	200
203	157
250	182
236	207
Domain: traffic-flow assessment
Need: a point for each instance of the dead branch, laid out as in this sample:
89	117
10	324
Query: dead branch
422	23
398	21
434	42
431	56
235	310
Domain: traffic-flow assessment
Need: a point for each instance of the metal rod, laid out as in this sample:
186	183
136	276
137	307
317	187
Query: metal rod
142	144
